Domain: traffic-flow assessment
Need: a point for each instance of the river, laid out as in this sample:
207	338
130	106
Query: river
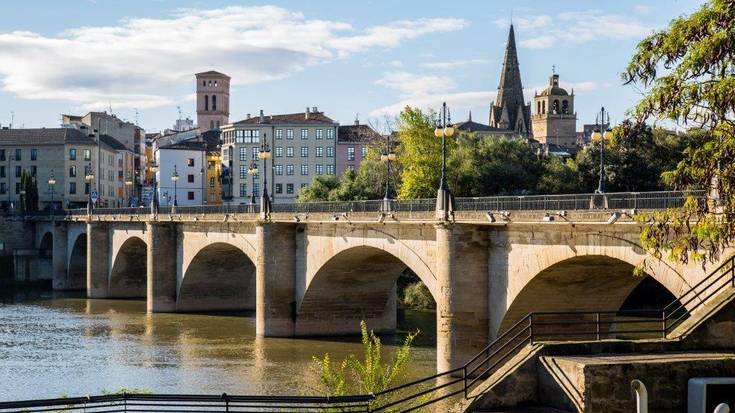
54	345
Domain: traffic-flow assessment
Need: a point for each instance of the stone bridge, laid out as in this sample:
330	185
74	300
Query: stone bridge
321	273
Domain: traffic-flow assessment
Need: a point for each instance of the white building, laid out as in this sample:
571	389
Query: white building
187	159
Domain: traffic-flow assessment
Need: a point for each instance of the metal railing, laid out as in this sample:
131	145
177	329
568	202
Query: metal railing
571	202
535	327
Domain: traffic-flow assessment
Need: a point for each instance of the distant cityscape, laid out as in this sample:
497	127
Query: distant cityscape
100	158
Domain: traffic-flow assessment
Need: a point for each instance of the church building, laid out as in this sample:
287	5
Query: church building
510	113
555	123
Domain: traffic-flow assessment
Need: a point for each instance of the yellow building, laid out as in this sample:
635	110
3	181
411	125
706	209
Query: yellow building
214	178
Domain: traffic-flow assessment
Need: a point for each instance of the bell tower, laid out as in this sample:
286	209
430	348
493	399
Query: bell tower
554	121
213	100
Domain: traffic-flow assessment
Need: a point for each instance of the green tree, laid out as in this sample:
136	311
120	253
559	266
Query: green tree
419	154
688	74
559	176
319	189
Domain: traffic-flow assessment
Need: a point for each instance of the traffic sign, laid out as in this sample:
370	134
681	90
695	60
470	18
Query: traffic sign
94	196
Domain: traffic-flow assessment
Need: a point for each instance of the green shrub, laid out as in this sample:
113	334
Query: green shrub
418	297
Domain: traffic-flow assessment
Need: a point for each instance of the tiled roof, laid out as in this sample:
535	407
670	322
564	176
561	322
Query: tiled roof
211	73
289	119
113	143
44	136
356	134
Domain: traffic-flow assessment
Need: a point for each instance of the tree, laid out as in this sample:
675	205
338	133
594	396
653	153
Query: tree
559	176
319	189
688	73
419	154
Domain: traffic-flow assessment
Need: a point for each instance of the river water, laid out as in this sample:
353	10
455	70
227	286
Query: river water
54	345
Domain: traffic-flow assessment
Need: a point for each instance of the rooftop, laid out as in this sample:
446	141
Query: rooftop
357	134
44	136
113	143
301	118
211	73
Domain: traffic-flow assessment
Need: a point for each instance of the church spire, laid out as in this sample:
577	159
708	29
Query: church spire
510	89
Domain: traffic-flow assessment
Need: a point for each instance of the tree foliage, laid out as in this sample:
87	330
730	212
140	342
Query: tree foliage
688	73
419	154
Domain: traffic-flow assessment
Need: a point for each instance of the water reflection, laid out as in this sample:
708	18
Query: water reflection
55	344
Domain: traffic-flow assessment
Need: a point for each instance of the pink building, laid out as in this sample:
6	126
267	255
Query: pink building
213	100
352	145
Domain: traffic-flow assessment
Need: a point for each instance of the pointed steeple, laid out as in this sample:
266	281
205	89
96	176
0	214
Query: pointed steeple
510	90
470	117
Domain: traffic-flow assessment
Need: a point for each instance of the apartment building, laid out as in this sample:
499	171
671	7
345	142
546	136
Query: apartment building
66	154
352	145
303	145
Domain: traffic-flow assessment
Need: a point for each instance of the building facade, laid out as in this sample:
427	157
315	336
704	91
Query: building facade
66	154
213	100
555	122
187	159
303	145
353	142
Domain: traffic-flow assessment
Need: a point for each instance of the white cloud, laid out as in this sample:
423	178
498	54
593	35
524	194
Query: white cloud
641	8
454	64
409	84
582	27
458	102
139	62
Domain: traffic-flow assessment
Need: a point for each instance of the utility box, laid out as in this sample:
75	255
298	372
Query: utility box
706	393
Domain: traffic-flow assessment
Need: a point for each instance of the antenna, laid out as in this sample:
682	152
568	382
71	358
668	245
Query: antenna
178	108
110	106
136	116
12	119
553	69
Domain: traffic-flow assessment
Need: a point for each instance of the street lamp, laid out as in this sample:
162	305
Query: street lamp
387	157
444	198
51	184
153	168
175	179
601	133
128	186
264	154
23	206
252	171
89	177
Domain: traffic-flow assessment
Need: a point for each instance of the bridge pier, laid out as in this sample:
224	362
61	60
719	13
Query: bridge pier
98	262
161	267
462	304
275	266
59	245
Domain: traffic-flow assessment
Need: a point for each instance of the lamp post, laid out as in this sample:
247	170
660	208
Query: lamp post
601	133
153	168
22	200
264	154
387	157
175	179
89	178
128	187
444	198
252	171
51	185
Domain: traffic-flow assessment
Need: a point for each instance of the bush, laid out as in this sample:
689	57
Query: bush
418	297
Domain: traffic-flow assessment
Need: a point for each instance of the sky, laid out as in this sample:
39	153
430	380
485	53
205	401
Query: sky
352	59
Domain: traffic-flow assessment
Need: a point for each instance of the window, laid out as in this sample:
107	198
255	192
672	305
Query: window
214	102
72	188
3	189
289	152
364	151
319	151
190	162
304	185
87	187
555	109
87	154
318	169
243	171
17	187
330	133
243	190
190	178
243	153
217	124
256	189
206	102
289	169
289	134
279	151
543	107
330	169
304	151
330	151
2	172
190	195
72	154
289	188
18	171
34	170
211	182
254	153
2	154
351	168
211	124
18	153
279	169
279	188
34	152
318	134
351	153
279	134
304	134
304	169
564	108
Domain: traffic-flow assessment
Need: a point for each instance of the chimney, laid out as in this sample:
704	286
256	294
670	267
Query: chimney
261	116
313	110
306	113
247	116
357	122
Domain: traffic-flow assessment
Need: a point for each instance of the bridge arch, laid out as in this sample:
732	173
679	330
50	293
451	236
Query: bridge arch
46	244
128	273
355	283
219	277
77	264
